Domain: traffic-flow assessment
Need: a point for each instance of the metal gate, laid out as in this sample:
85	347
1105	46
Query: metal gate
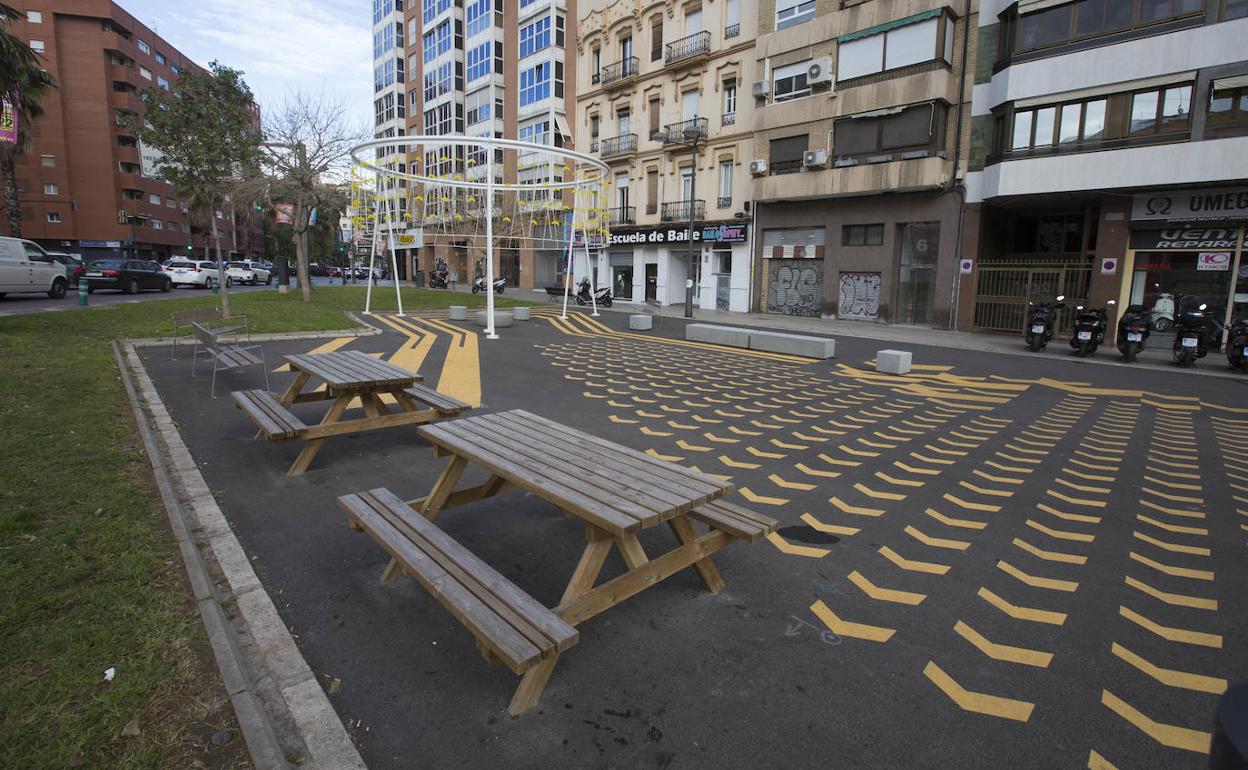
1003	289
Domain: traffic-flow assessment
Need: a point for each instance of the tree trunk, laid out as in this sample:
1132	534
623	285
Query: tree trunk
221	281
301	249
12	205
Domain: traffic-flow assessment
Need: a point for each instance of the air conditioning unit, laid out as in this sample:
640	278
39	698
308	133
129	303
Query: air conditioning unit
761	89
815	158
758	167
820	71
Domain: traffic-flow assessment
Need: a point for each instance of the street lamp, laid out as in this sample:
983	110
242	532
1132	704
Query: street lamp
691	135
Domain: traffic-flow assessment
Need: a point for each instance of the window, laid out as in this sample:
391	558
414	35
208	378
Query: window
51	189
175	69
478	16
652	191
862	235
596	62
162	82
916	40
47	161
145	73
1234	9
535	84
534	37
786	154
153	198
1089	18
478	106
158	224
730	102
54	217
37	46
919	127
725	184
790	82
34	17
171	203
537	132
160	58
1228	107
479	61
790	12
654	111
593	133
656	37
143	47
172	226
624	119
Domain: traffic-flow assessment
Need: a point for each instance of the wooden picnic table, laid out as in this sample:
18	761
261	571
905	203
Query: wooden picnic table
615	490
343	376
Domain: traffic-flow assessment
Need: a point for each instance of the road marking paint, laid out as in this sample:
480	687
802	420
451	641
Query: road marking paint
952	522
681	425
813	472
854	509
1022	613
1075	500
1174	498
933	460
857	452
639	412
864	489
835	461
1167	735
1068	516
1185	466
668	458
766	455
982	491
1027	451
799	485
1083	487
928	567
1097	762
1175	484
731	463
1172	547
784	546
712	437
748	494
1102	446
743	432
996	479
1172	511
672	409
1175	474
1172	634
936	542
950	452
899	482
1078	537
852	630
1168	676
885	594
1178	600
876	445
777	442
984	507
1194	574
920	471
1089	476
621	420
825	431
1057	556
980	703
1052	584
903	431
1044	444
1007	468
960	444
803	437
765	425
1003	651
834	529
692	447
1101	466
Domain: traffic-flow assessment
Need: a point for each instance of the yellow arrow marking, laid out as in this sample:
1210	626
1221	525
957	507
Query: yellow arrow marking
783	445
785	546
621	420
813	472
1175	498
652	432
731	463
856	510
743	432
834	529
928	567
761	499
1022	613
1002	651
857	452
1172	547
878	495
1060	534
932	460
692	447
1172	634
1167	735
804	437
1079	517
983	491
996	479
681	425
1075	500
799	485
852	630
712	437
978	702
1057	556
936	542
952	522
987	508
1168	676
1194	574
834	461
1052	584
884	594
668	458
766	455
1178	600
898	482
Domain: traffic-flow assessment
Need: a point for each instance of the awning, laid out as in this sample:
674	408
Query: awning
561	125
1225	84
1029	6
879	113
886	26
1111	88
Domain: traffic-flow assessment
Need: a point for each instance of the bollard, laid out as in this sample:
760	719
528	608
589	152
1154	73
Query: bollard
216	286
82	292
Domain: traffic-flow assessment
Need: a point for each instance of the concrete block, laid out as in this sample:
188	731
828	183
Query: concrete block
520	313
893	361
459	312
640	322
718	335
793	344
502	318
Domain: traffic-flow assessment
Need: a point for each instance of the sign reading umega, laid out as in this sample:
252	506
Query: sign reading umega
708	233
1191	205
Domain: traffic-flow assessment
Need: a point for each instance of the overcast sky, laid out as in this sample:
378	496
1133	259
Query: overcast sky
318	46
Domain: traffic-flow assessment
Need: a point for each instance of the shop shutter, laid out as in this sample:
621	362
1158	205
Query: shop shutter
794	243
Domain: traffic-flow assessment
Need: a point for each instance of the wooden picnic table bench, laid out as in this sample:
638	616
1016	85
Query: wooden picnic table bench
343	376
224	355
617	491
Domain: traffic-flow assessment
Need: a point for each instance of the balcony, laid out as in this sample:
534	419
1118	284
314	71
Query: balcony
618	145
731	31
618	73
684	133
691	49
130	101
683	211
622	215
728	119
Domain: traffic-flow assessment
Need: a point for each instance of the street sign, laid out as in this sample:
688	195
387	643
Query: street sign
1109	266
967	266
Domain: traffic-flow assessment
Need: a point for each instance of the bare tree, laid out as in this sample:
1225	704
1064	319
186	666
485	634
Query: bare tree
307	144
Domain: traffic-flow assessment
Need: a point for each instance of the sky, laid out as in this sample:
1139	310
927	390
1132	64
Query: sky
321	47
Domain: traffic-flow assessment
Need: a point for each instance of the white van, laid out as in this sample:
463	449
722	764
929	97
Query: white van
26	267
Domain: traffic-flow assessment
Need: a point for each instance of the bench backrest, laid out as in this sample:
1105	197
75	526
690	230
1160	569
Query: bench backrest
205	336
198	315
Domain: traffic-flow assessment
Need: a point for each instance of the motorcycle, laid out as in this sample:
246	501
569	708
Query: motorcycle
602	296
478	285
1041	323
1237	345
1133	331
1090	326
1190	338
438	281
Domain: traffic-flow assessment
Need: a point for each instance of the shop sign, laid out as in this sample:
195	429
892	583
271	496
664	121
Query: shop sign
99	244
1187	205
1213	260
709	233
1185	239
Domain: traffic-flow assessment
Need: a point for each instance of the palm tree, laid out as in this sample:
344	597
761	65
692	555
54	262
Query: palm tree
23	83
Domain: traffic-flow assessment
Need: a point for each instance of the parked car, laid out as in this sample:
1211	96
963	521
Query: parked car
333	272
26	267
315	270
199	274
73	266
129	276
249	272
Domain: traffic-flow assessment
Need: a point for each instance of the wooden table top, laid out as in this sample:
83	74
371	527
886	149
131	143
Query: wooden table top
609	485
351	369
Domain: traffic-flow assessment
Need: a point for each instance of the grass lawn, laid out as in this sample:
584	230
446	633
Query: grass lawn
90	577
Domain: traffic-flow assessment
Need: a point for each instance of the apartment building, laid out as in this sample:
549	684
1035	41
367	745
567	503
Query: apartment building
1109	157
86	185
390	84
861	110
659	99
490	68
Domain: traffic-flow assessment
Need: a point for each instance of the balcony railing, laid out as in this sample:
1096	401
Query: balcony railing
618	71
618	145
728	119
731	31
678	211
725	202
593	144
694	129
622	215
652	208
697	44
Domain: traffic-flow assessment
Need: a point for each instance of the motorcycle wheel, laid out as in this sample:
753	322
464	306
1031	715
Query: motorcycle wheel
499	290
1130	352
1082	350
1184	358
475	290
1035	342
606	302
1163	324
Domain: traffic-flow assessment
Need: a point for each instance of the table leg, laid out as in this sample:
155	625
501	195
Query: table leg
630	548
314	445
531	685
706	568
443	487
590	565
292	391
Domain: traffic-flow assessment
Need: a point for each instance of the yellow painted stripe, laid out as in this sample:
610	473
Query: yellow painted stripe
884	594
1178	600
1052	584
857	452
652	432
1194	574
743	432
1167	735
1075	500
1171	464
996	479
720	440
731	463
1172	511
814	472
836	461
1079	517
1088	476
1168	676
799	485
1083	487
971	506
786	547
693	447
952	522
1095	466
834	529
856	510
1027	451
1174	498
911	565
669	458
748	494
782	445
621	420
936	542
1172	634
1007	468
899	482
851	630
1060	534
991	705
949	452
766	455
1002	651
932	460
461	370
803	437
1173	484
1192	550
1097	762
920	471
825	431
983	491
1175	474
1014	459
1022	613
864	489
1057	556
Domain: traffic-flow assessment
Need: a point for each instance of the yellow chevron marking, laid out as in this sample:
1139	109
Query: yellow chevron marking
761	499
766	425
1052	584
804	437
851	630
652	432
1178	600
1025	450
799	485
743	432
668	458
878	495
826	431
640	412
1083	487
1172	511
952	522
834	529
1172	547
899	482
1022	613
1175	484
1167	735
911	565
813	472
949	452
692	447
1194	574
1167	676
783	445
1174	498
1002	651
706	420
712	437
932	460
621	420
1075	500
726	413
985	507
1079	517
766	455
936	542
672	409
854	509
1060	534
731	463
1042	444
1184	466
980	703
920	471
1007	468
835	461
889	437
785	546
721	477
884	594
1088	476
1014	459
1175	474
996	479
876	444
1172	634
983	491
857	452
681	425
1057	556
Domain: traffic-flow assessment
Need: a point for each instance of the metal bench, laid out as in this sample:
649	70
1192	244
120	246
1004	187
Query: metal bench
224	356
208	317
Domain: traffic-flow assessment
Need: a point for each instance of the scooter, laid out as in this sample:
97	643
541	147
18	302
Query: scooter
1041	323
478	285
1133	331
1090	326
602	296
438	281
1190	338
1237	345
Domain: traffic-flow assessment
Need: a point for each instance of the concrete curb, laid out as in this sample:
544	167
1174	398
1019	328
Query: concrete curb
280	706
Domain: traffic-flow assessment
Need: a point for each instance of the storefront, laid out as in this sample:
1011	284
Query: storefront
650	264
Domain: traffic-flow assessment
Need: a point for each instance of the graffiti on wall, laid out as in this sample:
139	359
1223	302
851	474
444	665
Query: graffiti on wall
795	287
860	296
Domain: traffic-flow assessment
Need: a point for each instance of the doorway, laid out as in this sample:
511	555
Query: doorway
916	285
652	282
